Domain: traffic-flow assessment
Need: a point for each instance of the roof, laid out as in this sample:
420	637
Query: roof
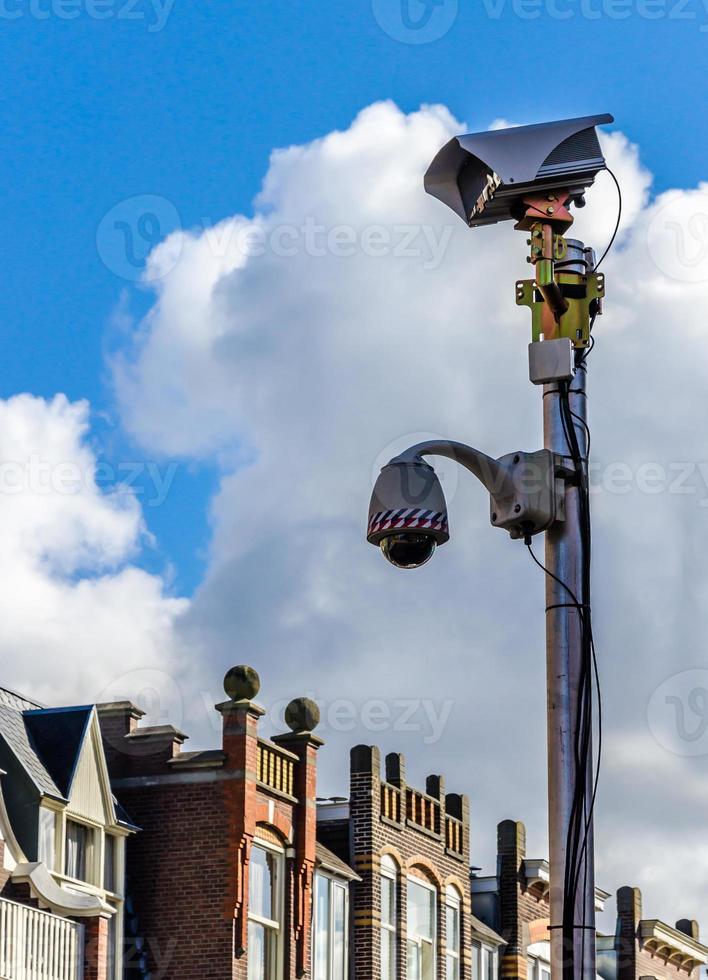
483	931
329	861
14	733
57	735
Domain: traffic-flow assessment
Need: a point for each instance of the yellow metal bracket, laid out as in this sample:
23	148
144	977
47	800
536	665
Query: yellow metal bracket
580	293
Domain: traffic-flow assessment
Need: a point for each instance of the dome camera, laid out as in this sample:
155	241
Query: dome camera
408	513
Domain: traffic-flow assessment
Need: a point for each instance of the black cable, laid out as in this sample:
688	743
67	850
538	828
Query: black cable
619	218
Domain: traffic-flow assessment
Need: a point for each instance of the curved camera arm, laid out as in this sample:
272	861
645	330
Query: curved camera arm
492	473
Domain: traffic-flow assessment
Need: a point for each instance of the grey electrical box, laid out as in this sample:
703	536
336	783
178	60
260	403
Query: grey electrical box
551	360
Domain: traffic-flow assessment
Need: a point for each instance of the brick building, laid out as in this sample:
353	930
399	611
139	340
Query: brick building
223	874
62	841
238	873
644	948
514	901
411	907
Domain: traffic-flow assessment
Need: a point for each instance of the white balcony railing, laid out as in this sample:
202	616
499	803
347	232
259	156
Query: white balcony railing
38	945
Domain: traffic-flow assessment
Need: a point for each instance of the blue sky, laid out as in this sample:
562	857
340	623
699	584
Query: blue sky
97	111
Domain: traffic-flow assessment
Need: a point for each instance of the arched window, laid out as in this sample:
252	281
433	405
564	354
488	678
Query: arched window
453	929
389	918
265	912
422	921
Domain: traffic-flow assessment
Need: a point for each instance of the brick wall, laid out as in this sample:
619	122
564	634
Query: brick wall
199	814
389	817
520	903
638	956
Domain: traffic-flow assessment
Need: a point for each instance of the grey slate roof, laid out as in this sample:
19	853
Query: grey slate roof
14	733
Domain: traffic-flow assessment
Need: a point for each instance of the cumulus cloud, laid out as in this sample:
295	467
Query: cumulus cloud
351	315
76	615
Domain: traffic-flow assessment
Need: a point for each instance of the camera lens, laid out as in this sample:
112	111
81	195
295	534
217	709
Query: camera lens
408	550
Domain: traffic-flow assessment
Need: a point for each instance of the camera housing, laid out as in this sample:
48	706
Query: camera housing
407	513
484	177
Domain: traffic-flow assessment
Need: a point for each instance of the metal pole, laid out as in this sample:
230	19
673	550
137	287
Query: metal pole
563	659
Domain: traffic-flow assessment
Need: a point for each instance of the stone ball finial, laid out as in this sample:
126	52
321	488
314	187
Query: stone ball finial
242	683
302	715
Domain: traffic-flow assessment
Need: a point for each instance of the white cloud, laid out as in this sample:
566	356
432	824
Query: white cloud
76	615
299	370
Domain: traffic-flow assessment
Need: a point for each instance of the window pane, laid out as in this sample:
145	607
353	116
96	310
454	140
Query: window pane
388	901
427	961
452	967
339	950
109	863
47	824
261	891
322	933
77	850
453	929
257	967
475	962
388	954
421	911
413	961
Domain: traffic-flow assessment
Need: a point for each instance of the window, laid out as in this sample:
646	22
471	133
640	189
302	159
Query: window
109	863
453	909
47	831
330	928
539	969
79	851
421	931
485	961
488	963
264	913
389	918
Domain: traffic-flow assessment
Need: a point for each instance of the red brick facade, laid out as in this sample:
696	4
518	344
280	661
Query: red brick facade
199	813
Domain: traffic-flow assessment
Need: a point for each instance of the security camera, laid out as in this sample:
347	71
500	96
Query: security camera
408	513
484	177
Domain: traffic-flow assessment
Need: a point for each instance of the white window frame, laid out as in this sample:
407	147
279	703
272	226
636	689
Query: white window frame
537	967
391	872
419	941
278	887
343	886
453	900
492	955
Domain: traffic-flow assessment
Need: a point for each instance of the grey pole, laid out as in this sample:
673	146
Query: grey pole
563	659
